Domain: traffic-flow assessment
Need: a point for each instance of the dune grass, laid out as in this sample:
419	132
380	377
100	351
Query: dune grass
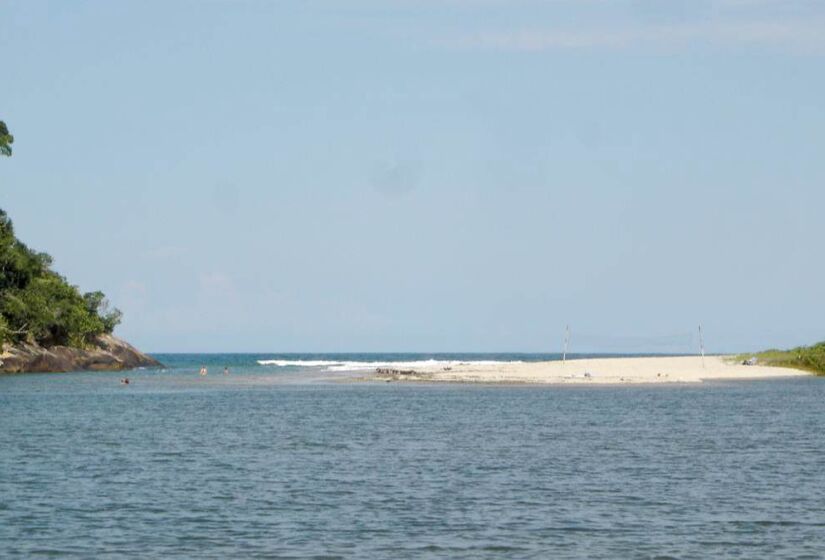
808	358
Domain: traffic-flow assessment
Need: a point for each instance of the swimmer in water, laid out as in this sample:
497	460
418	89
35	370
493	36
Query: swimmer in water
226	370
125	381
203	370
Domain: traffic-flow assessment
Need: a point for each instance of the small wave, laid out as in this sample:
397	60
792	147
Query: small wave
332	365
299	363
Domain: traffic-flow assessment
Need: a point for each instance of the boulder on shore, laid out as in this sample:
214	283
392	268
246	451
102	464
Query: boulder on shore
106	353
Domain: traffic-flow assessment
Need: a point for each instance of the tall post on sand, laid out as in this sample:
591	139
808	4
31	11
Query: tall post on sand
702	346
566	342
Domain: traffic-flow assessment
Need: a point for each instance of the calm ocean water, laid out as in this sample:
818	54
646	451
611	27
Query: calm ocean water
285	461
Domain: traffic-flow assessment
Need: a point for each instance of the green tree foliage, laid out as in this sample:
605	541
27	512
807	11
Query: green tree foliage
98	306
6	140
38	305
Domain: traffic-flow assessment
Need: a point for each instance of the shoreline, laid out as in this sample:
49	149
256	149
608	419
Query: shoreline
589	371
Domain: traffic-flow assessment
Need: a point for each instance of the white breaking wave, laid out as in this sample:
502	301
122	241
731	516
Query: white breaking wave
361	366
301	363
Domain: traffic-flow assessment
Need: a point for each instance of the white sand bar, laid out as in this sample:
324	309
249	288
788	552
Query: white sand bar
682	369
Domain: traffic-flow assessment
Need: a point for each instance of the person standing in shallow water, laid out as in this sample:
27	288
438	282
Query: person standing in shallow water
203	370
225	370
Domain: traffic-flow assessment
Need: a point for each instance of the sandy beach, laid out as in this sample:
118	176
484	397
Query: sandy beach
682	369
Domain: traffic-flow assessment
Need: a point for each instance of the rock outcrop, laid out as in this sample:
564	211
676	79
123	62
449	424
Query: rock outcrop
107	353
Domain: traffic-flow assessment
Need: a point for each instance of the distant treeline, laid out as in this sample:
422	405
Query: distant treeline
38	305
810	358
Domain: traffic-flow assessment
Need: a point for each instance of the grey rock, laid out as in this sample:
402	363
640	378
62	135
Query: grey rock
106	353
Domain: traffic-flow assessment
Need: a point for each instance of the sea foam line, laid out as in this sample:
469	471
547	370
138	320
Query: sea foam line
333	365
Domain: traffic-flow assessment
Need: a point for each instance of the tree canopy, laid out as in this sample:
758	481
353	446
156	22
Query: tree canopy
6	140
38	305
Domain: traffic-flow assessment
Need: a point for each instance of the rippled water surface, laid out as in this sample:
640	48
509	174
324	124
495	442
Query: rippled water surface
290	463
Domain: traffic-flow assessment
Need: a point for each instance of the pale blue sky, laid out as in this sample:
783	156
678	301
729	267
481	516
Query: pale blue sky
424	175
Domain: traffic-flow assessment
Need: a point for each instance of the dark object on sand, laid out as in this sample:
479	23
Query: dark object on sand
390	371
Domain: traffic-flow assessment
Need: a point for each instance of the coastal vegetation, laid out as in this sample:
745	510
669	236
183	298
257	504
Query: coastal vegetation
38	305
809	358
6	140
